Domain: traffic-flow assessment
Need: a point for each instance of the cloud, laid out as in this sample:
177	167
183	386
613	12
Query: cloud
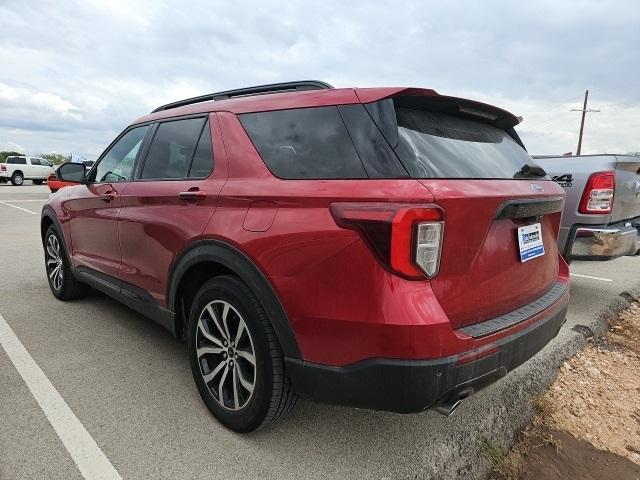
74	74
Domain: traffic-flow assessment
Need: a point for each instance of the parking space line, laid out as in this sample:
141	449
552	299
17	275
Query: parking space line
21	200
19	208
92	463
592	278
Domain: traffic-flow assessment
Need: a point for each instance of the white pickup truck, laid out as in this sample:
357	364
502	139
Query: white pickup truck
18	169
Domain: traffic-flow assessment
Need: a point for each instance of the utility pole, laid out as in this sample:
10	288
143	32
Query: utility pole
584	112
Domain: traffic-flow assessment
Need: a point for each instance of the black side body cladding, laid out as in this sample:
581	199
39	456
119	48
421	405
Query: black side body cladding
233	259
133	297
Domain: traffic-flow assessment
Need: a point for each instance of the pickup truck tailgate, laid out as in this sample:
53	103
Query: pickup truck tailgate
626	200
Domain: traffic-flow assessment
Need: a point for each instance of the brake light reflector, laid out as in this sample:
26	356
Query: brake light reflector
406	238
598	193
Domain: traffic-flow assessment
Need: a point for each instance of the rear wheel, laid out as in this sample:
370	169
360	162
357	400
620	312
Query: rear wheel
17	179
62	282
235	357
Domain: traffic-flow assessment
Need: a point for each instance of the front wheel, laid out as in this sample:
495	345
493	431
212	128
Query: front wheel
62	282
235	357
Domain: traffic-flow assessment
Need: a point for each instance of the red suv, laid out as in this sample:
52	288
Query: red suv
384	248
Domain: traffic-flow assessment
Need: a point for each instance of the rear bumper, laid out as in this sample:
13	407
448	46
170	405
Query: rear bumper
407	386
603	243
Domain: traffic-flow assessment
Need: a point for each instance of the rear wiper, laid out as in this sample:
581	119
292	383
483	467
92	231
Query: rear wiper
530	171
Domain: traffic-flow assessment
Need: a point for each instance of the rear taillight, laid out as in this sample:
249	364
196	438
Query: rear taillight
3	168
598	193
406	238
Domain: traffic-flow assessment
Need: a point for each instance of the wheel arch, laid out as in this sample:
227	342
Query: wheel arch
210	258
47	219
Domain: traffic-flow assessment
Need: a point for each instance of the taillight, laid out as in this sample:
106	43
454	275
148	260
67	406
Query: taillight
406	238
3	168
598	193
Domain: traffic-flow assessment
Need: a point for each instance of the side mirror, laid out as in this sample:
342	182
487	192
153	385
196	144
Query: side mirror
71	172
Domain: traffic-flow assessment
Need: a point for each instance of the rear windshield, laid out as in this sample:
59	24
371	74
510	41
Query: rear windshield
382	140
436	145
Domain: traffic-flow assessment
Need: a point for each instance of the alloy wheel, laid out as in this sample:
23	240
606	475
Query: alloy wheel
55	267
226	355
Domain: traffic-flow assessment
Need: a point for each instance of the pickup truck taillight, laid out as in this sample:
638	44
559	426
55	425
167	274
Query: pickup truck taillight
598	193
406	238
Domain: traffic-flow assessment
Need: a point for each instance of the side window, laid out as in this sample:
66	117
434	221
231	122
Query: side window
172	149
17	160
203	161
35	161
116	165
304	143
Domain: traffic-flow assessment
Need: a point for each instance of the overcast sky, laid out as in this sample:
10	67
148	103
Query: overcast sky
72	75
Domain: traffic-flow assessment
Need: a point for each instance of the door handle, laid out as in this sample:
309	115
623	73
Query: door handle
107	197
193	195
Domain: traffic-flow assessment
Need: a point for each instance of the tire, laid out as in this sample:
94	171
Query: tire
17	179
263	392
63	284
37	182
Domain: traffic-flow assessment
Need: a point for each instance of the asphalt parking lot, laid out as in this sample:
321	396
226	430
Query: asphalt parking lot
129	384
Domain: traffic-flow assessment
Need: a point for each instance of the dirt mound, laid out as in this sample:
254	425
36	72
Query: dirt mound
576	459
587	426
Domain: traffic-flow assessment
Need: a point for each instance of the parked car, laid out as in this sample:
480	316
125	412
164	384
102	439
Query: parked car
384	248
601	215
19	169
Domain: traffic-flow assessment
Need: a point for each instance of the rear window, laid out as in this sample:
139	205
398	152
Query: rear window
436	145
306	143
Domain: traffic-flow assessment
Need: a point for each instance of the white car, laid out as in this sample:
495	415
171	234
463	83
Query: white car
19	169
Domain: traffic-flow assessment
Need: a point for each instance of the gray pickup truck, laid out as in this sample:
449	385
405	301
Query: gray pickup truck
601	215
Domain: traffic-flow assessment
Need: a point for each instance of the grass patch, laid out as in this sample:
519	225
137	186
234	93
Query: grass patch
504	465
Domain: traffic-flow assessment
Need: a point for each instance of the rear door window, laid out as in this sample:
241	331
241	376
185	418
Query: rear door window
305	143
172	149
17	160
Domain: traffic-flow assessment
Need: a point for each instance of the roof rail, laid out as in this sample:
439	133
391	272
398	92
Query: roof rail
242	92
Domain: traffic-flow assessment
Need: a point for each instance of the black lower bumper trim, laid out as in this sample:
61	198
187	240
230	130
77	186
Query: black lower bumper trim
407	386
